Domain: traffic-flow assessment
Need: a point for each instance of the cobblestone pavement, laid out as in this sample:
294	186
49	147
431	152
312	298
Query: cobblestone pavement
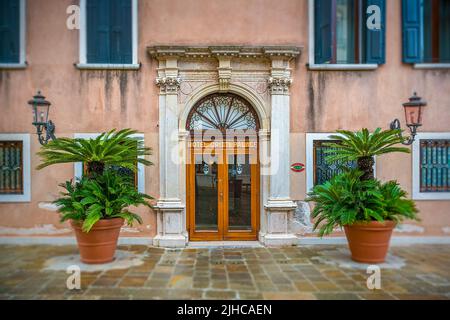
308	272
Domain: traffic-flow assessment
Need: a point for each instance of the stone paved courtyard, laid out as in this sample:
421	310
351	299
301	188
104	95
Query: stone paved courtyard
308	272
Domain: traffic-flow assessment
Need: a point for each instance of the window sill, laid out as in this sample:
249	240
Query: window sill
12	198
107	66
22	65
432	66
431	196
343	67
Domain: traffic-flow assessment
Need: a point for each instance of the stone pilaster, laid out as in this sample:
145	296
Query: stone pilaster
279	205
170	209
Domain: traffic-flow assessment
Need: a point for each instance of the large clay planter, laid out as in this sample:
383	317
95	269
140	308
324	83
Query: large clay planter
369	242
99	244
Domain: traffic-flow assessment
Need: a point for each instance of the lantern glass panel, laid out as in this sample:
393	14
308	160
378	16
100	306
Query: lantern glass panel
40	113
413	115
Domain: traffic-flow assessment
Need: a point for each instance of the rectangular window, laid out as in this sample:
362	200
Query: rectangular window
109	31
122	171
15	167
318	170
434	165
11	167
108	34
341	35
431	166
324	171
426	31
436	25
12	33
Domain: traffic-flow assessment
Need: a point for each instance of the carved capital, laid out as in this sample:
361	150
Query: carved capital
168	84
279	85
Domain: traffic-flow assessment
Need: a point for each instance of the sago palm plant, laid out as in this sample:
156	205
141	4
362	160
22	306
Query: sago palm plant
347	199
362	146
107	196
116	148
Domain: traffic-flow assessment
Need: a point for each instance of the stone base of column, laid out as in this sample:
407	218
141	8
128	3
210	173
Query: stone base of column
169	223
278	232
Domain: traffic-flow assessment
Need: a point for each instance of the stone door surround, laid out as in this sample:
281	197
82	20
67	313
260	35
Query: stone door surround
259	74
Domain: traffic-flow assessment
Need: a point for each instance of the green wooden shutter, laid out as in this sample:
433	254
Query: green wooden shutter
412	31
435	165
375	39
98	31
323	31
9	31
121	33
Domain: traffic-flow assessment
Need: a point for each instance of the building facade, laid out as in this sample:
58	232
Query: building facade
270	78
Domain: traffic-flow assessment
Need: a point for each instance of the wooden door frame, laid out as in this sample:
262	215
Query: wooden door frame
254	174
222	215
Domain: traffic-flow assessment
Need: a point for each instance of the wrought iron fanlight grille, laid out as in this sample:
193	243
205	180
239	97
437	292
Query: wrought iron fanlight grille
222	111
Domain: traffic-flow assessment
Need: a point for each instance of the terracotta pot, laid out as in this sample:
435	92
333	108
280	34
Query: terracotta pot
99	244
369	242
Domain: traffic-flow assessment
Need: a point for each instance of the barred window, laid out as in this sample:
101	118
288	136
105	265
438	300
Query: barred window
11	167
324	171
122	171
435	165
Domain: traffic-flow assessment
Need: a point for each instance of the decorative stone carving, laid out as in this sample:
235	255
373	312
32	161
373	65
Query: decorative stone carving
202	52
224	71
168	84
279	85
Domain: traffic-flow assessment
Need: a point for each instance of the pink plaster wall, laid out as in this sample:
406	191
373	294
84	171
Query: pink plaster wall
321	101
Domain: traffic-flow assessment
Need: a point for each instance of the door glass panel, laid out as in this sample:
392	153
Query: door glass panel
206	195
239	193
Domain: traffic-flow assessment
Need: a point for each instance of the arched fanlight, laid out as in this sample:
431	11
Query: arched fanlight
222	111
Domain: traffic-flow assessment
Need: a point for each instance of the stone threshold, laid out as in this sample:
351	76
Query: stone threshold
224	244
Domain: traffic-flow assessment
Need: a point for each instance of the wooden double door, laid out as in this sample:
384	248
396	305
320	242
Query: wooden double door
223	191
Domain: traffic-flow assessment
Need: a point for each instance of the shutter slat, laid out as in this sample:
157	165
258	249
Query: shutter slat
412	31
10	31
121	33
323	31
375	39
98	31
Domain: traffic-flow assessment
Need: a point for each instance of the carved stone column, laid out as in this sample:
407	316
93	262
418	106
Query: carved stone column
279	206
170	209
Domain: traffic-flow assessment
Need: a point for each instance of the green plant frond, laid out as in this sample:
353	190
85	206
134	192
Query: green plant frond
108	195
346	199
110	148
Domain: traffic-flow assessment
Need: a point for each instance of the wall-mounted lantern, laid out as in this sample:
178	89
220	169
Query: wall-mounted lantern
41	108
413	116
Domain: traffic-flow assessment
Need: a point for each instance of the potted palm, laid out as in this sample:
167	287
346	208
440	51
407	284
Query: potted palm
97	205
367	208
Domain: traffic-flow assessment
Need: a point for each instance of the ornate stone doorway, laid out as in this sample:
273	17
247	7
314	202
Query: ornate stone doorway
259	79
222	170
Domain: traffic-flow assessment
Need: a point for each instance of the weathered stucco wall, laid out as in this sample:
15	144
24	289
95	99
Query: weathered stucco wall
321	101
